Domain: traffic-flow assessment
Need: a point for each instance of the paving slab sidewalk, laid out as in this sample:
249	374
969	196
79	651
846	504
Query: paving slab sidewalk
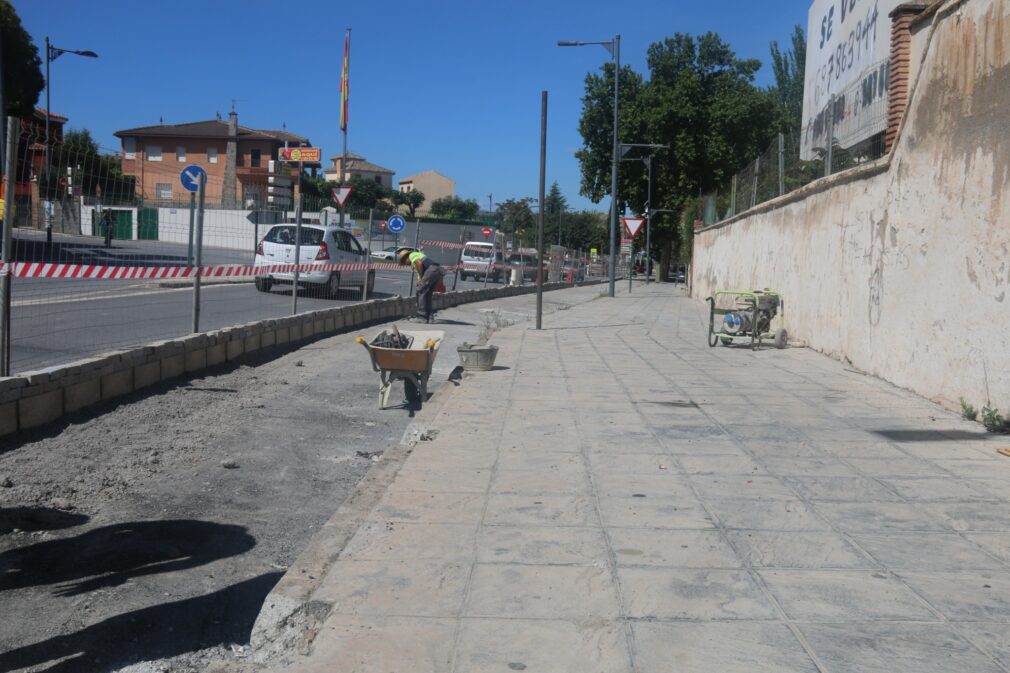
617	496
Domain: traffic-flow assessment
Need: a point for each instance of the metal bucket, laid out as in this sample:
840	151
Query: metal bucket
477	358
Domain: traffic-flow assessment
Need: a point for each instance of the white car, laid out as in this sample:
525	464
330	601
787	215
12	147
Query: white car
480	260
319	245
386	253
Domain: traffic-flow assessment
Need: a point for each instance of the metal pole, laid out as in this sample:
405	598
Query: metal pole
343	162
201	193
540	218
49	223
298	242
613	170
732	196
754	183
782	164
192	214
829	155
368	258
648	225
459	257
6	254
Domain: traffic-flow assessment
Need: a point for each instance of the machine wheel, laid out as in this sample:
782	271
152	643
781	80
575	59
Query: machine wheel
264	283
781	338
726	341
333	285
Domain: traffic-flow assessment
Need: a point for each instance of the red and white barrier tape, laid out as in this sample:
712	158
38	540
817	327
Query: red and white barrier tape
100	272
442	244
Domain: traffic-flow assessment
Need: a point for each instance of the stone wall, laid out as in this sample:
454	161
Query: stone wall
902	267
36	398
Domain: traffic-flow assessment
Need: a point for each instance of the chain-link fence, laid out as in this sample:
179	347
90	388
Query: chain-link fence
848	132
105	249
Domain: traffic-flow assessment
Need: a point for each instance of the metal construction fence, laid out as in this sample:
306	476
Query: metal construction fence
840	140
93	262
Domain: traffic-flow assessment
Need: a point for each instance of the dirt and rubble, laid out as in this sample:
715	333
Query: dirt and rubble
145	535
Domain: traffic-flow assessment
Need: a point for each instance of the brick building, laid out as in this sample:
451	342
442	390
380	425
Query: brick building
240	161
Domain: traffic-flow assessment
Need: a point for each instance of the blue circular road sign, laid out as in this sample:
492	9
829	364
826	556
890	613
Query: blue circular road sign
190	177
396	224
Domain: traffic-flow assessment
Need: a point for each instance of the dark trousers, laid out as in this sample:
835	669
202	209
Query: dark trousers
429	281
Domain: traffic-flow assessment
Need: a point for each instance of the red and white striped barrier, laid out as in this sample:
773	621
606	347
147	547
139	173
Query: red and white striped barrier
102	272
442	244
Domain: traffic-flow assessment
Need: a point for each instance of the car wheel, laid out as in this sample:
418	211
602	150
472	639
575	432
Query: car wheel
264	283
333	285
371	283
462	276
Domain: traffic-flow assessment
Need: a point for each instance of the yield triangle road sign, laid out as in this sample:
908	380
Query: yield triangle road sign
340	195
633	224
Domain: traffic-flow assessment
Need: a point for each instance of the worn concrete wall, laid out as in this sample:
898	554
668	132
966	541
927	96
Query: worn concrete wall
903	266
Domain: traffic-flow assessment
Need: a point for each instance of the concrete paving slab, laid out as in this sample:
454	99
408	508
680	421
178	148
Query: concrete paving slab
408	588
540	510
927	551
967	595
493	645
844	595
572	593
541	545
676	593
672	548
858	517
726	647
421	507
894	647
643	512
378	541
797	549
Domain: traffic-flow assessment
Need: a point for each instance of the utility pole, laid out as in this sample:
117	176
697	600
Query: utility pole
540	215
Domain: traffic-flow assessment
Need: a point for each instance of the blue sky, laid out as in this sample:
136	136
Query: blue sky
452	85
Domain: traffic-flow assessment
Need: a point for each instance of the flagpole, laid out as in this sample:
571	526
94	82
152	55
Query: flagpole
344	98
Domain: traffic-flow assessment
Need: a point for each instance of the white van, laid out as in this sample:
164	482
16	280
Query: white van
481	260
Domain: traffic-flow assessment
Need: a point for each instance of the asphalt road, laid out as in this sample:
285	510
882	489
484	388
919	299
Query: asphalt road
56	322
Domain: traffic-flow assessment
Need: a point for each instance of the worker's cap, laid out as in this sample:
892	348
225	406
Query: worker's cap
403	253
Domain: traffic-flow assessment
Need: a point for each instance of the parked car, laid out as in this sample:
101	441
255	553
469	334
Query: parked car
385	254
319	244
528	264
481	260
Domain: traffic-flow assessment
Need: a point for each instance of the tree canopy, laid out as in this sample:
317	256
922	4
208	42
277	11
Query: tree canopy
22	67
456	208
789	68
700	100
412	199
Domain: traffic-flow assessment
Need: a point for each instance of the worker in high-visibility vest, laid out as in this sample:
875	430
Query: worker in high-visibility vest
429	278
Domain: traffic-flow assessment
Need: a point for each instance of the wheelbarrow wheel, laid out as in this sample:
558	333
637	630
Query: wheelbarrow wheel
412	393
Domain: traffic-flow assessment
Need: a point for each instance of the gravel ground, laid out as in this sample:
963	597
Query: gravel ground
144	537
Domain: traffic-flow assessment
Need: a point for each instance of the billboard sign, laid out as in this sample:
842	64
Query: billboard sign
308	154
848	48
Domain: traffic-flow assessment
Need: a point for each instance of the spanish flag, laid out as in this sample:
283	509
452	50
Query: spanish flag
345	82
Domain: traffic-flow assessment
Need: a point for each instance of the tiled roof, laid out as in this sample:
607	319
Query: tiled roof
40	112
212	128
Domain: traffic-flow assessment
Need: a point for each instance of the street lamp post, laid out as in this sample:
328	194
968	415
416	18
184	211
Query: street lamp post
53	53
647	160
614	47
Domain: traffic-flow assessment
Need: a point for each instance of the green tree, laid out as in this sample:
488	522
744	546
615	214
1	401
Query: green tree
789	68
453	207
366	193
22	67
412	200
516	220
555	205
78	159
700	101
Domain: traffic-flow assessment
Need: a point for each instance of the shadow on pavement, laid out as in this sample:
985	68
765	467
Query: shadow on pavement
930	435
65	252
32	519
157	632
111	555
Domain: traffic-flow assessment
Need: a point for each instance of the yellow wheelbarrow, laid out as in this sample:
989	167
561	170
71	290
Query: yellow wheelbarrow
403	356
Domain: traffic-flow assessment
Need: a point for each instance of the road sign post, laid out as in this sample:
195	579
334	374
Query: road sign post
368	258
201	195
189	178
